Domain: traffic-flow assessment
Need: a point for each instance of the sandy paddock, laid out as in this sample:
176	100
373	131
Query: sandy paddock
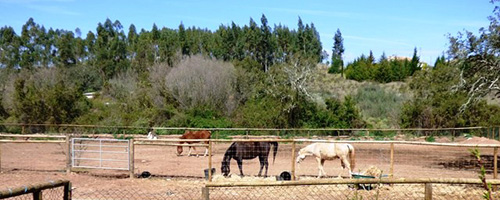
182	177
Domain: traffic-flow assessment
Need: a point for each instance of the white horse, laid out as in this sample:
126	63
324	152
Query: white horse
329	151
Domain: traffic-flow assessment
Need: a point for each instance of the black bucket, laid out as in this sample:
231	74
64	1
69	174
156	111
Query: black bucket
284	176
206	173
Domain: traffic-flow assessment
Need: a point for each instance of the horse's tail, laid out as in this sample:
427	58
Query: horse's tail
352	156
275	149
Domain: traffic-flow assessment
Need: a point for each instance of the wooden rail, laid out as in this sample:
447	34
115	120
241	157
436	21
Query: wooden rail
175	142
37	190
351	181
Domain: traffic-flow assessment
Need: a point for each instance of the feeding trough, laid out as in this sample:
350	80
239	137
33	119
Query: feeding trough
362	176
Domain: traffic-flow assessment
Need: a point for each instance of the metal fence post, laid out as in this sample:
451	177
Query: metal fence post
428	191
131	158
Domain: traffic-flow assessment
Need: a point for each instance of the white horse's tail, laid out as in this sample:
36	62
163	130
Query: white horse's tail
352	156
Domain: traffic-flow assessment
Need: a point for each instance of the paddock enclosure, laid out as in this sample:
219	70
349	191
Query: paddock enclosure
27	161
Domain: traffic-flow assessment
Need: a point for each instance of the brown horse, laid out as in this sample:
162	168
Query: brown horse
203	134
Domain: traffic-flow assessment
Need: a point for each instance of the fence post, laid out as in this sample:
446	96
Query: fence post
67	191
205	193
37	195
428	191
68	154
0	157
209	161
131	158
391	170
495	165
293	160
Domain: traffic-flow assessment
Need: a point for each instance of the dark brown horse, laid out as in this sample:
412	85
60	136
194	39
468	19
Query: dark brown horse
246	151
203	134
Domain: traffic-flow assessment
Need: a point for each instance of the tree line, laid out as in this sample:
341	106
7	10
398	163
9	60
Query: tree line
236	76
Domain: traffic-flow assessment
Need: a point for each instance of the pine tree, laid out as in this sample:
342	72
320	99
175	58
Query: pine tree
337	52
414	63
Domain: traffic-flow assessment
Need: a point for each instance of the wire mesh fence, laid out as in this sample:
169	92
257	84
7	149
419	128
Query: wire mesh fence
43	157
352	189
50	190
139	193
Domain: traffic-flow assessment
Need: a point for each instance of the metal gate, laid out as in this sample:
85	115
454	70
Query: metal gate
100	153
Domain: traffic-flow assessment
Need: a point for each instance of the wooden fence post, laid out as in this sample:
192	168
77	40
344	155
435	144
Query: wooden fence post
37	195
205	193
428	191
131	158
209	162
495	165
293	160
0	157
68	154
67	191
391	171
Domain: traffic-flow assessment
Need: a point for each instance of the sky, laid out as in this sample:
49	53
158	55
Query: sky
395	27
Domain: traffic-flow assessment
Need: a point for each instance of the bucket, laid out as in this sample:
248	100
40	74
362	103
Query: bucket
206	173
284	176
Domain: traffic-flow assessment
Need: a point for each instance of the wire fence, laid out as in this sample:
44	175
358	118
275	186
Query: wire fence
60	189
492	132
352	189
397	159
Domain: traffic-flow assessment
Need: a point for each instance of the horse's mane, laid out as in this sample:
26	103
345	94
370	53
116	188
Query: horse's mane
229	153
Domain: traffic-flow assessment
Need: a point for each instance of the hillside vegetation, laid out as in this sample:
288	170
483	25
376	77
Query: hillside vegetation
236	76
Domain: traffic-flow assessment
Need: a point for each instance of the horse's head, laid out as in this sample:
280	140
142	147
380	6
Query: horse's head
301	156
225	169
179	150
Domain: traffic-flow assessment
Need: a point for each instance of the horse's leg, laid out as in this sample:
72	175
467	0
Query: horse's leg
320	166
189	153
345	164
240	165
263	163
206	152
195	152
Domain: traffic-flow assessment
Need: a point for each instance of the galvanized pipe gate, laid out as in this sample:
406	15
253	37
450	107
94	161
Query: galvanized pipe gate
100	153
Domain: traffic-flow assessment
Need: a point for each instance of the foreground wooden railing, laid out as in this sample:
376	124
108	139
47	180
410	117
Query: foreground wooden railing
37	190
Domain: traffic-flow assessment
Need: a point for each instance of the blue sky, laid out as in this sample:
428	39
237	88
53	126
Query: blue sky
391	26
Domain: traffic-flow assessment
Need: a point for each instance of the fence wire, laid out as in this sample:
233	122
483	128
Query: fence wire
130	192
47	190
42	157
350	191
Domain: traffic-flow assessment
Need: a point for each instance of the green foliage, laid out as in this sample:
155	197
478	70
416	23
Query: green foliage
430	139
337	52
200	118
385	71
379	107
482	173
51	99
434	105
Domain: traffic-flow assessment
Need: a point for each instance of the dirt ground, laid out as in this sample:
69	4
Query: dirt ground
24	164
